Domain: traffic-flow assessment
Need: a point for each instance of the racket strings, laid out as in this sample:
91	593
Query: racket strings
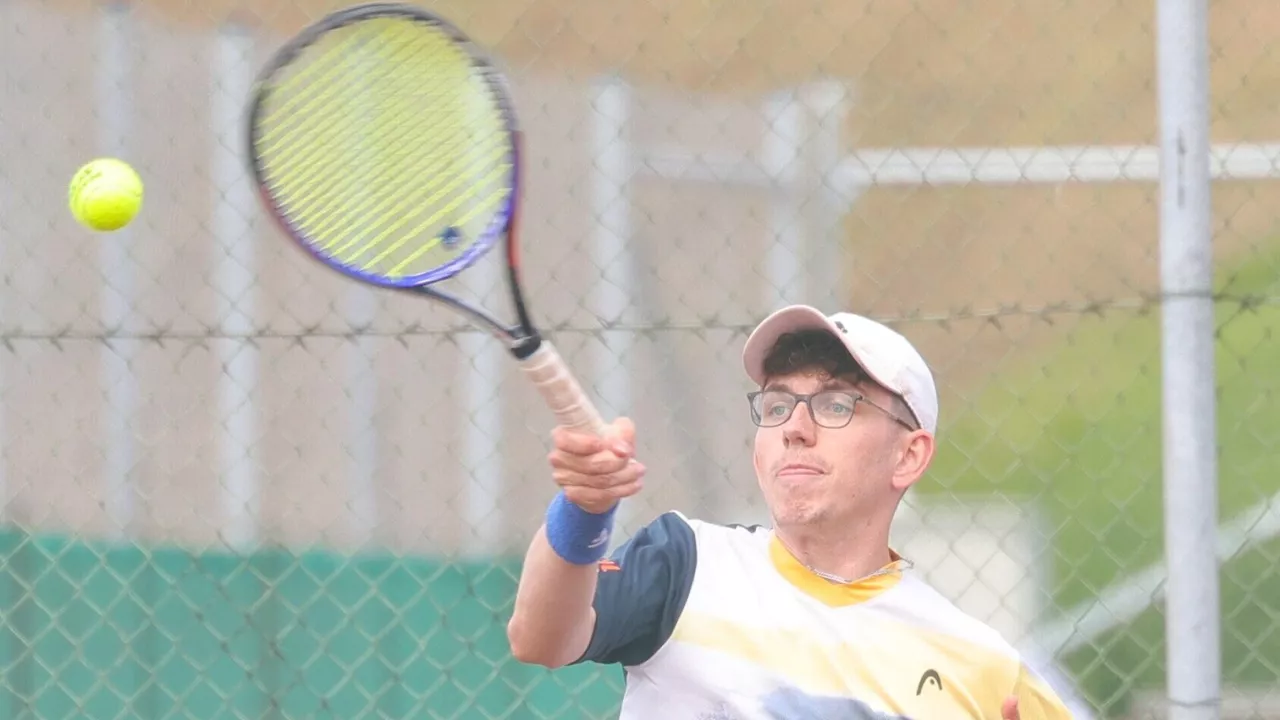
295	117
338	183
312	83
385	146
341	120
490	149
392	242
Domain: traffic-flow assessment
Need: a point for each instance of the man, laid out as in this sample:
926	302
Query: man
815	617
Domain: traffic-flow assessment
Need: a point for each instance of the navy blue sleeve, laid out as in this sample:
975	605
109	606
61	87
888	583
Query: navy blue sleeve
640	592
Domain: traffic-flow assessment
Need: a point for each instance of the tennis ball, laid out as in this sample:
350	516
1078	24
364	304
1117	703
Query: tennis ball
105	194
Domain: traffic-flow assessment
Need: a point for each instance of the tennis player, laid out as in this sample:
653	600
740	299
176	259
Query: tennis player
813	617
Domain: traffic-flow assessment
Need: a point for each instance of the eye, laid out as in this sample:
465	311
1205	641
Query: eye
838	405
775	405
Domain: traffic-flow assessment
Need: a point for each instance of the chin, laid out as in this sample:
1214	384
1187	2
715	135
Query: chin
794	511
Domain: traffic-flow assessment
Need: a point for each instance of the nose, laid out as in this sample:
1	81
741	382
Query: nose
800	428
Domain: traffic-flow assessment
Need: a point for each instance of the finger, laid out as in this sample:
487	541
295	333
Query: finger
576	443
594	500
622	433
601	463
567	478
1009	711
628	489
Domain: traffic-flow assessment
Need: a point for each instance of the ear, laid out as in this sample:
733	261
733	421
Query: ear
755	453
916	452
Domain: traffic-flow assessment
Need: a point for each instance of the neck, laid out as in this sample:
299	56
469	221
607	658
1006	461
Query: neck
852	554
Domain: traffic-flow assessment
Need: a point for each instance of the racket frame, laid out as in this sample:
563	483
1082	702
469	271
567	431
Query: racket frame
522	338
538	359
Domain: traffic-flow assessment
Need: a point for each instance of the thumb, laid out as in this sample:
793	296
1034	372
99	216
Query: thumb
622	436
1009	711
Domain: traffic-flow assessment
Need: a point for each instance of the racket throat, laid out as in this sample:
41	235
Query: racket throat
523	348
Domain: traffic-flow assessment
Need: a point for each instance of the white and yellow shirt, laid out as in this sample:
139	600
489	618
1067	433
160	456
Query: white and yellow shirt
717	622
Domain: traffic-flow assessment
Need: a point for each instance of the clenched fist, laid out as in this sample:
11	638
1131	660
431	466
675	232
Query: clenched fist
596	472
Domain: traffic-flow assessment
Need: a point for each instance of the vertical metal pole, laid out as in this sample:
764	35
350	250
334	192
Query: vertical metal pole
826	104
114	100
233	211
361	369
1190	429
362	406
8	188
484	360
783	145
482	446
610	207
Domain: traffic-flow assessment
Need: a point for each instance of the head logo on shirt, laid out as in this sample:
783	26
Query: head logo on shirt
930	678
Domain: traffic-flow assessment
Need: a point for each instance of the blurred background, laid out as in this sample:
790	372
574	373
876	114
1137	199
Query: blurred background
235	485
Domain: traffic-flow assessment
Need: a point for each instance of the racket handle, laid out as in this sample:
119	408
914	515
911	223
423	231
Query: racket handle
561	390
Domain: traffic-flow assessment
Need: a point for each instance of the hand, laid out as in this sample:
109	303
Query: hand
1009	711
596	472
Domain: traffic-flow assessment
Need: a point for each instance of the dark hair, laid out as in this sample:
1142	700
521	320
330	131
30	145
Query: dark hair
819	350
809	350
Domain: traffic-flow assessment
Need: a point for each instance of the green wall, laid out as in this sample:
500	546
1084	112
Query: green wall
102	631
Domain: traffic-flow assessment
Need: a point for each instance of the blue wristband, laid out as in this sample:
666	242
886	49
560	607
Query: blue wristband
578	536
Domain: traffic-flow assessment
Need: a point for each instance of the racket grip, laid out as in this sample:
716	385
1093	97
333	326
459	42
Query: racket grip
561	390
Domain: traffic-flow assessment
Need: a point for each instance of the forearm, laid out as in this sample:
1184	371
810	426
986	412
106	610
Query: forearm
553	618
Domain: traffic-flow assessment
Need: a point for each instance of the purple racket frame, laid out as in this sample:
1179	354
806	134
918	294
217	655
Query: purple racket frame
523	338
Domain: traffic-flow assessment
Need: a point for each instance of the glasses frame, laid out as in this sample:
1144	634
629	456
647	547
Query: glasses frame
856	397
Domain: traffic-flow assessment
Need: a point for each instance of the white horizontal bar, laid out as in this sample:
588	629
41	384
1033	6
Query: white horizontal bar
960	166
1129	163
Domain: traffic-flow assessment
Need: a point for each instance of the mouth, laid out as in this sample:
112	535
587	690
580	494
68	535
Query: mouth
799	470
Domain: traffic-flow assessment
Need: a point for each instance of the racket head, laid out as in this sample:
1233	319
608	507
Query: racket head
401	171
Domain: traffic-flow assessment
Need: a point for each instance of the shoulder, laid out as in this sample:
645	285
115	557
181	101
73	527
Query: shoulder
671	524
998	666
920	604
992	668
683	540
643	586
676	524
705	530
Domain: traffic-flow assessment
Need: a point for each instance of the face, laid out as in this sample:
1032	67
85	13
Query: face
815	475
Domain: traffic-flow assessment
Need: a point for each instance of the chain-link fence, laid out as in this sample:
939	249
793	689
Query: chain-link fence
235	485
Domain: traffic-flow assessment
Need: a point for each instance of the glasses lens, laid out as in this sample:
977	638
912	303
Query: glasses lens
833	408
773	407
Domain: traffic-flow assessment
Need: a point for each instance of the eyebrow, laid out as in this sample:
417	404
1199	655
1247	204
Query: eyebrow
832	384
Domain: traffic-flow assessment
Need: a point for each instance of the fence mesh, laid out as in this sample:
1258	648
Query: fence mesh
234	485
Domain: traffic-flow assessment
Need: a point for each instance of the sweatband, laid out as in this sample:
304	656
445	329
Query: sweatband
578	536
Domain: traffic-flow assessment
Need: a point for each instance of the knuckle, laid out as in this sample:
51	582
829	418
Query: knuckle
605	463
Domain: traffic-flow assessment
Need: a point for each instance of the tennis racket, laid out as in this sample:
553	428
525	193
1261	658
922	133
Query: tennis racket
384	142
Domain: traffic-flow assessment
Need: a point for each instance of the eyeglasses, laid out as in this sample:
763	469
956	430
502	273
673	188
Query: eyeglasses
828	408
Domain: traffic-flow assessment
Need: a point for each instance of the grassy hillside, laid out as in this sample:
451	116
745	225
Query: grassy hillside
1078	432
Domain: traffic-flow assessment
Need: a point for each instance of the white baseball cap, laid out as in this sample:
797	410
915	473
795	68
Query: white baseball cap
888	357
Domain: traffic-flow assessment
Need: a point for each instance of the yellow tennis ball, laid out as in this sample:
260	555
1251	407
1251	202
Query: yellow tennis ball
105	194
